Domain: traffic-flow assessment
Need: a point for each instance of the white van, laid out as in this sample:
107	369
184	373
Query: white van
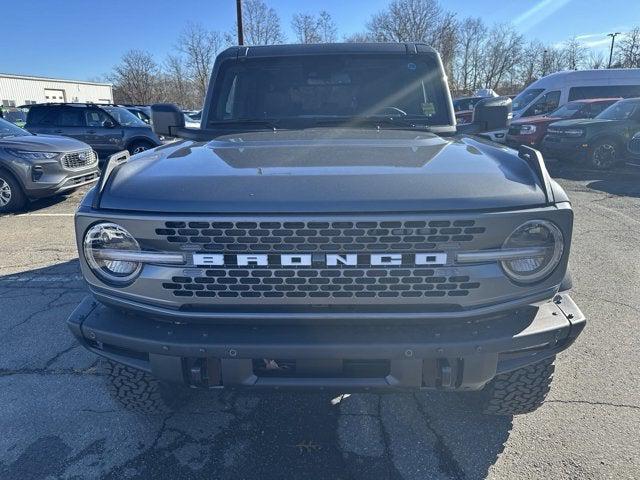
553	91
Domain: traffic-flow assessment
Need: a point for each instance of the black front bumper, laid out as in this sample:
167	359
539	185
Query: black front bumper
460	355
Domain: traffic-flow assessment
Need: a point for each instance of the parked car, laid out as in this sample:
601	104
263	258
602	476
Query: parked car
531	130
107	128
601	141
37	166
16	116
463	108
634	146
342	239
547	94
143	112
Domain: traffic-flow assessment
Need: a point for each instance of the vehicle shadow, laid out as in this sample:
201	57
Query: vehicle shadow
228	434
623	180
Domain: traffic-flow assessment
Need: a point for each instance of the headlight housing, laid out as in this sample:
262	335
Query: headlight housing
527	129
546	242
108	237
28	155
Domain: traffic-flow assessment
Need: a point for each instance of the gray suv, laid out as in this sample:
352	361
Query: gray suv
328	227
40	166
107	128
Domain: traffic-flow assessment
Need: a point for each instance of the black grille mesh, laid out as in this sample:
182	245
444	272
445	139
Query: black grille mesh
336	237
320	283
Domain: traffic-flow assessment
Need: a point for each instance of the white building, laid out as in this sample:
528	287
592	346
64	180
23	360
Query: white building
16	90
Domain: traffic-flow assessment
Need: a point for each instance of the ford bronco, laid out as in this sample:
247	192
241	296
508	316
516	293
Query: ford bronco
328	227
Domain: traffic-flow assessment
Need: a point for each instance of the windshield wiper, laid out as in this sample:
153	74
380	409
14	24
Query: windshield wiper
249	122
376	120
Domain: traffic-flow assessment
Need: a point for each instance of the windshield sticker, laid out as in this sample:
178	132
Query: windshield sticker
428	109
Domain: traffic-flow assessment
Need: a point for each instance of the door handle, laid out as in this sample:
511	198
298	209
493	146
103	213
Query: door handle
91	131
57	131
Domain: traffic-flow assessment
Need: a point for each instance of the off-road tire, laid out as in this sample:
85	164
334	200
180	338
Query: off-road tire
139	146
18	199
604	154
138	391
517	392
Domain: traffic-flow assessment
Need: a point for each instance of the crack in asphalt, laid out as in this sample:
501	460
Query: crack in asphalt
91	370
447	461
386	441
31	316
599	404
607	300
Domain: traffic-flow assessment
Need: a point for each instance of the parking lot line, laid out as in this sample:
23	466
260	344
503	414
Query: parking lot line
45	215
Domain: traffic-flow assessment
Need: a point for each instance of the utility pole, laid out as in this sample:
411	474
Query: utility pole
239	15
613	39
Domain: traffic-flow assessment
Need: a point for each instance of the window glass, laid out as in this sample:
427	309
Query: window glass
10	130
545	104
350	86
44	116
622	110
525	98
71	117
604	91
96	118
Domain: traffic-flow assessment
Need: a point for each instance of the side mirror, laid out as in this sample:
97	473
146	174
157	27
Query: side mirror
493	113
108	124
166	117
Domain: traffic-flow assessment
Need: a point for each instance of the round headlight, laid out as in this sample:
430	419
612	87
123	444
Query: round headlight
103	237
542	237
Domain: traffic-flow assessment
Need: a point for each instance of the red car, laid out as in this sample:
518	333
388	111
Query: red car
531	130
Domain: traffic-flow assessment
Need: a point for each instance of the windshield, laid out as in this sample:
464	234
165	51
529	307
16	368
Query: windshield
567	111
462	104
329	86
15	116
124	117
619	111
8	129
525	98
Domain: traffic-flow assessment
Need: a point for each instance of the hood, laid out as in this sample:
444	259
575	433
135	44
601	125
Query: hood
324	170
538	120
43	143
586	122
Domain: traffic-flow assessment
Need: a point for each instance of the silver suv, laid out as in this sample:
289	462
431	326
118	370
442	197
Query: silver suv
40	166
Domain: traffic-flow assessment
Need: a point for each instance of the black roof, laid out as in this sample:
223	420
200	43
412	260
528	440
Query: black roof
328	49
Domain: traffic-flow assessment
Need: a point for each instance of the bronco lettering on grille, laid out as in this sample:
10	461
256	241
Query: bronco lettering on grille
315	259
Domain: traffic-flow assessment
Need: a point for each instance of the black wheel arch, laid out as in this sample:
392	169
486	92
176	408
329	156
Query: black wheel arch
141	139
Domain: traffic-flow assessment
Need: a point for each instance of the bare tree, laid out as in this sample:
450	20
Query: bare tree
574	53
261	24
471	37
179	88
406	21
628	49
305	27
595	60
314	29
199	47
359	37
503	53
327	27
135	78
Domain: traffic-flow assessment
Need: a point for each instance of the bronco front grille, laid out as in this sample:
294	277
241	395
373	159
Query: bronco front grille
316	283
344	236
78	160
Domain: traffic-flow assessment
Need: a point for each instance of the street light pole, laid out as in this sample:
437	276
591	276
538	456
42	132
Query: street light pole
613	39
239	16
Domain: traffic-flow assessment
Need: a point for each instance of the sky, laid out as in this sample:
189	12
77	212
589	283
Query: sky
83	39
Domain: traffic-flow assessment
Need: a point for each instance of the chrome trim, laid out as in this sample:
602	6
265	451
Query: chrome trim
140	257
501	255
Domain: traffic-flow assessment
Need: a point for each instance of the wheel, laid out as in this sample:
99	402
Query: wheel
604	154
139	147
517	392
137	391
12	197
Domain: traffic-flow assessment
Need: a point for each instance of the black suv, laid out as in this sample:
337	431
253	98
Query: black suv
107	128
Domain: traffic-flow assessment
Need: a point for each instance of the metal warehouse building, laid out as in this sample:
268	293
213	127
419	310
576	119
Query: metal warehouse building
16	90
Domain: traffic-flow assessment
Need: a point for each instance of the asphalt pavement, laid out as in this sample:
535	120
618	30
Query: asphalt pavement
57	420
